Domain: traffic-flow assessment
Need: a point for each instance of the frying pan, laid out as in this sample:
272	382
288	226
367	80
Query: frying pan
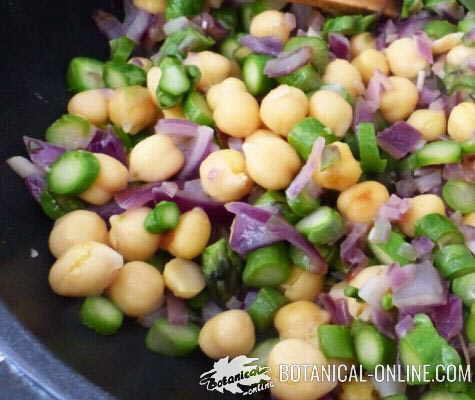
40	333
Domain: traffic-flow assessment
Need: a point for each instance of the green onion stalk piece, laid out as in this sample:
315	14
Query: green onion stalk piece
264	307
183	8
121	49
323	226
119	74
439	229
84	74
101	315
321	53
164	217
257	82
464	287
70	131
279	201
336	342
454	261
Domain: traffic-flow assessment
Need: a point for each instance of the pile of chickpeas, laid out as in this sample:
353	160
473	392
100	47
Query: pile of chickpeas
93	258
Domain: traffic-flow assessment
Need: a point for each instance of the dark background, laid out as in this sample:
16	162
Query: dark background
37	39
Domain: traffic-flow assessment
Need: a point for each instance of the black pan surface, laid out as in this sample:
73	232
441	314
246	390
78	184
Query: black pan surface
40	332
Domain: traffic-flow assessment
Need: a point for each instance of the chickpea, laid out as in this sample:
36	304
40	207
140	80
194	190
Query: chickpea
299	354
138	289
235	69
400	101
283	107
341	72
237	114
113	177
154	75
331	110
224	177
419	207
174	113
224	89
155	158
132	109
214	68
151	6
302	285
190	236
459	55
141	62
358	390
91	105
129	237
361	202
85	269
76	227
368	61
272	23
469	219
218	336
361	42
184	278
404	58
447	42
461	124
300	320
261	151
342	174
432	124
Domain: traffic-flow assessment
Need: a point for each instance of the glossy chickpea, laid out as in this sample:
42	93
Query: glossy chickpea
224	177
138	289
432	124
184	278
282	108
86	269
404	58
461	123
400	100
343	174
214	68
331	110
154	75
174	113
129	237
447	43
420	206
155	158
132	109
459	55
190	236
261	150
341	72
358	390
369	61
302	285
361	202
151	6
218	337
224	89
361	42
469	219
91	105
76	227
272	23
113	177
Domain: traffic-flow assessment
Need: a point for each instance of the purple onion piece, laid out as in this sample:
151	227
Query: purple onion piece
106	142
406	187
448	318
428	183
108	24
108	210
36	185
177	312
380	231
268	45
423	246
362	113
384	322
399	139
209	311
424	46
394	209
351	248
339	45
211	26
376	87
136	196
287	63
176	127
337	308
149	319
42	154
136	21
199	150
404	325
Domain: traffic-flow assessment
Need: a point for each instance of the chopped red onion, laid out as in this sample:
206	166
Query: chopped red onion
421	77
175	25
376	87
211	26
423	246
307	17
287	63
176	127
209	311
338	309
149	319
306	173
404	325
107	210
438	68
108	24
249	298
406	187
199	150
177	313
23	167
394	209
450	10
42	154
106	142
384	321
136	196
425	289
388	35
235	143
374	289
428	96
362	113
136	21
154	33
458	172
399	277
36	185
234	303
351	248
380	231
255	227
427	183
448	318
399	139
424	46
268	45
339	45
415	23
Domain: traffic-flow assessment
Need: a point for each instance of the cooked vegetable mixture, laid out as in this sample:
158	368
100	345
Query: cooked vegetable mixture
268	179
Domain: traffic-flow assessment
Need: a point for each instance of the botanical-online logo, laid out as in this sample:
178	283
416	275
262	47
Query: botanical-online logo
229	374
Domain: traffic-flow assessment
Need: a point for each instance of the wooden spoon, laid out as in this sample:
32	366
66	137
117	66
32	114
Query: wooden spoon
386	7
